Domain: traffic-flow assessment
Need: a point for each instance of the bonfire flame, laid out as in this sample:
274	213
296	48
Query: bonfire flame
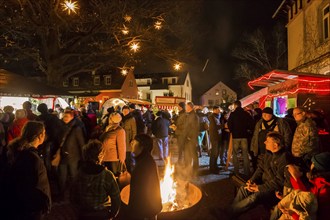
168	188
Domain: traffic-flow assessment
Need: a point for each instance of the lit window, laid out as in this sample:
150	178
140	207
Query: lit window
75	81
326	22
107	80
66	83
97	80
217	92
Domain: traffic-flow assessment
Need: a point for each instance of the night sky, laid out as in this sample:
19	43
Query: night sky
223	22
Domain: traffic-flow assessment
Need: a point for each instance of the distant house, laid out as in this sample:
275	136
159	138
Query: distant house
170	84
308	35
102	86
218	94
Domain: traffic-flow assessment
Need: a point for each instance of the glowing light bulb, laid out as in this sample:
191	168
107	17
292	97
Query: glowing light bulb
177	66
124	72
70	6
127	18
158	25
135	47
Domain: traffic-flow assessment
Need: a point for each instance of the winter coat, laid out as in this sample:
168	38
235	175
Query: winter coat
180	122
93	187
281	126
239	123
73	142
320	187
29	183
15	128
270	171
145	198
113	139
129	125
191	127
305	141
159	127
215	127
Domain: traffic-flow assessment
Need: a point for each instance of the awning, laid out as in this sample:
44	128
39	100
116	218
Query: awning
254	97
16	85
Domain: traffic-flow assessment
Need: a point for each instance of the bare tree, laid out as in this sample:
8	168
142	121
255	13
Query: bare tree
258	53
61	40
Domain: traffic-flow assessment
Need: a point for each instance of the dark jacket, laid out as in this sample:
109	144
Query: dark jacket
129	125
145	198
29	182
240	122
73	142
191	127
159	127
179	122
269	175
215	127
281	126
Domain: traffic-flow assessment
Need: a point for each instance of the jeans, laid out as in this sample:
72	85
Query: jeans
214	155
162	144
67	171
200	138
243	144
246	200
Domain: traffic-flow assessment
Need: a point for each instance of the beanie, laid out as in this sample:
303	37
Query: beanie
131	106
182	105
268	110
322	161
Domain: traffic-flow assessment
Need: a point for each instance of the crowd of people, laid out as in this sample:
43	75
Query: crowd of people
93	152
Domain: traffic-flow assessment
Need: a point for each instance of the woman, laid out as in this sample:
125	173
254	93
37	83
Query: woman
29	191
94	186
142	203
114	144
15	128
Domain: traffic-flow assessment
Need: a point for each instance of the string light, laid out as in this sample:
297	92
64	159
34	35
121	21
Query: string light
125	31
135	47
177	66
124	72
70	6
127	18
158	25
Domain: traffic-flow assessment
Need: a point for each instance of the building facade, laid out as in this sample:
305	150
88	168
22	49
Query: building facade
170	84
308	29
100	87
220	93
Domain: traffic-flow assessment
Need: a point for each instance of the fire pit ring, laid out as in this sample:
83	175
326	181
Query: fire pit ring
194	196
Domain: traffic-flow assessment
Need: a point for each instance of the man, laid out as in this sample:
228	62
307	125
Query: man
129	125
72	143
239	123
267	179
269	122
215	138
305	142
28	106
179	129
190	134
160	130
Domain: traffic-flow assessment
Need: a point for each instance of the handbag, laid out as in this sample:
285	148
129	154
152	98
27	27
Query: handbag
124	177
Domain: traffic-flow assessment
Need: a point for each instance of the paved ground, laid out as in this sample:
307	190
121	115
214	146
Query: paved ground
217	191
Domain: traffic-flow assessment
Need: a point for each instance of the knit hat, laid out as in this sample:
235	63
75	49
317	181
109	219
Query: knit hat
115	118
131	106
322	161
182	105
268	110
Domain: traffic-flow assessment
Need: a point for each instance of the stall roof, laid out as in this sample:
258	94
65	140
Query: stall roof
277	76
12	84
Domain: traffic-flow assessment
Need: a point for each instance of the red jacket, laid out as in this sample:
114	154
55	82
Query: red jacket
321	189
16	128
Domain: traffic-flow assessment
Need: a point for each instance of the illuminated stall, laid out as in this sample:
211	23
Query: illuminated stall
16	89
290	89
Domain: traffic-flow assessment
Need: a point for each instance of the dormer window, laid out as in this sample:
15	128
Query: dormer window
66	83
107	80
75	81
97	80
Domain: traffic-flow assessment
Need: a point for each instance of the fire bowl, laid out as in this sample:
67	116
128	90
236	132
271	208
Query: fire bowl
194	196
